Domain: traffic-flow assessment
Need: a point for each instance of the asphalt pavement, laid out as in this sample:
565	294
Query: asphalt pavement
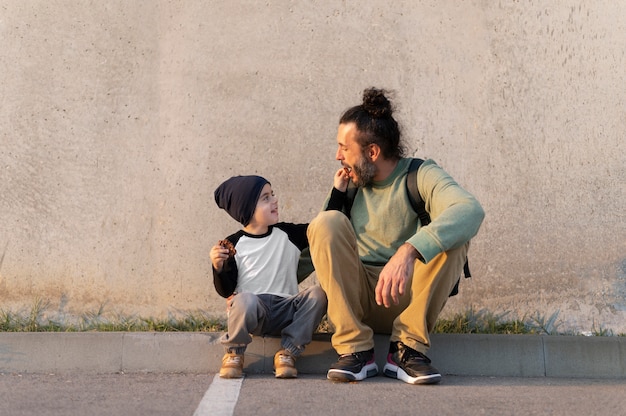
174	374
156	394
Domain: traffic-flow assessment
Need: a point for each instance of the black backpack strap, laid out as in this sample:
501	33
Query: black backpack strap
414	196
466	269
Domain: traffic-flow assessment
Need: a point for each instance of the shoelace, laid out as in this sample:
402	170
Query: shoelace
353	357
409	355
233	360
285	359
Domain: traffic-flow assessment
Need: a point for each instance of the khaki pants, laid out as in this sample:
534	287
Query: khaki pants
349	285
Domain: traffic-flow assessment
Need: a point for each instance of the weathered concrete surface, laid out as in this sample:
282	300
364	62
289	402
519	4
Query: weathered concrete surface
119	119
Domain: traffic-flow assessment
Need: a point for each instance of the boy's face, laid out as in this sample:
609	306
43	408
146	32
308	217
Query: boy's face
266	211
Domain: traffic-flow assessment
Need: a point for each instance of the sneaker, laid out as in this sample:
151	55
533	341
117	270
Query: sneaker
353	367
232	365
285	365
410	366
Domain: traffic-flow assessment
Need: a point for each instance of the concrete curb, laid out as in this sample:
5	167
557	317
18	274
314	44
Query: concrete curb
190	352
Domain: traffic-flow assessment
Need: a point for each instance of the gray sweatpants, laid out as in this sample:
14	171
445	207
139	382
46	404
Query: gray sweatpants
294	319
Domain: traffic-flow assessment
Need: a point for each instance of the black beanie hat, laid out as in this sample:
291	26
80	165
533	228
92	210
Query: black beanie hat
238	196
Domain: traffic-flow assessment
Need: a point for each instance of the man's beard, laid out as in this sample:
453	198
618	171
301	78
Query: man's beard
365	171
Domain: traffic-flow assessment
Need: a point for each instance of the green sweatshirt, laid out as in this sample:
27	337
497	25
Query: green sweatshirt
383	219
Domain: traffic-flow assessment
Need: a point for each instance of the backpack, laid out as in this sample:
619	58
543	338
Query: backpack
418	205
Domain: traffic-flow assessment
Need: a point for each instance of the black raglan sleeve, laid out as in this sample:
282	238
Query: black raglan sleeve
296	233
225	282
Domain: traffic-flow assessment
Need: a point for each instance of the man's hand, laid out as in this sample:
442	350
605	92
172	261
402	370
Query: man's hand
395	275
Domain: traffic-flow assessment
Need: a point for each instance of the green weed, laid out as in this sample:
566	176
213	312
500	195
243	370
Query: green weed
469	322
482	322
35	320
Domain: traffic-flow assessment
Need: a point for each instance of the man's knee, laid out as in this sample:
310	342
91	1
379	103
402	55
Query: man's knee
327	223
453	258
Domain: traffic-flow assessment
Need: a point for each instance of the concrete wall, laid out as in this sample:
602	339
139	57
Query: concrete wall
118	119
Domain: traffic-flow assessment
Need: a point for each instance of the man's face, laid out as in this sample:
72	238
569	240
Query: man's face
349	153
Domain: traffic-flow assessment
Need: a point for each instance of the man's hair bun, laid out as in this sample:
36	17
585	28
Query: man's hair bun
376	104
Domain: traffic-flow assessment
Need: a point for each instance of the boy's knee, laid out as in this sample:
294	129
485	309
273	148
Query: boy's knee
318	294
314	299
244	301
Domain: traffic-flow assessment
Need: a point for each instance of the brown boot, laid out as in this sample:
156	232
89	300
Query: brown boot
285	365
232	365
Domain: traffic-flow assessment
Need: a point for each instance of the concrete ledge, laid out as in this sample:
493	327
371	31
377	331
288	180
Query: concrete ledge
488	355
190	352
603	357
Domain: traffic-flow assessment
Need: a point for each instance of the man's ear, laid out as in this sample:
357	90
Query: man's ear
373	152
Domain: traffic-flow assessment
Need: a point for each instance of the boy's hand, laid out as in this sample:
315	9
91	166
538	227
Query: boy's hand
218	254
341	179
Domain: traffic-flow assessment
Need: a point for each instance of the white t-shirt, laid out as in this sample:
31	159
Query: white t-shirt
264	264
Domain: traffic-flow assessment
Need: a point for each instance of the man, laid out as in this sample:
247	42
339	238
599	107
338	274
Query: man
382	271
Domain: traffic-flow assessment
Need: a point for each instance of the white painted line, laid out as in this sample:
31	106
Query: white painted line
221	397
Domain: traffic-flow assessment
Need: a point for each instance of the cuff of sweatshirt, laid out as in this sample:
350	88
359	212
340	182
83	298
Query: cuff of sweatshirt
426	246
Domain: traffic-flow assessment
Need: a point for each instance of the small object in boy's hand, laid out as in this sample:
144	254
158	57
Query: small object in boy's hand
231	248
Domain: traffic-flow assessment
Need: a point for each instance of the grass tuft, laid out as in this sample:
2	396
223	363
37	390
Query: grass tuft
35	320
482	322
469	322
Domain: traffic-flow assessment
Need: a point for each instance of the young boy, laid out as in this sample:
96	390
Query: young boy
256	270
